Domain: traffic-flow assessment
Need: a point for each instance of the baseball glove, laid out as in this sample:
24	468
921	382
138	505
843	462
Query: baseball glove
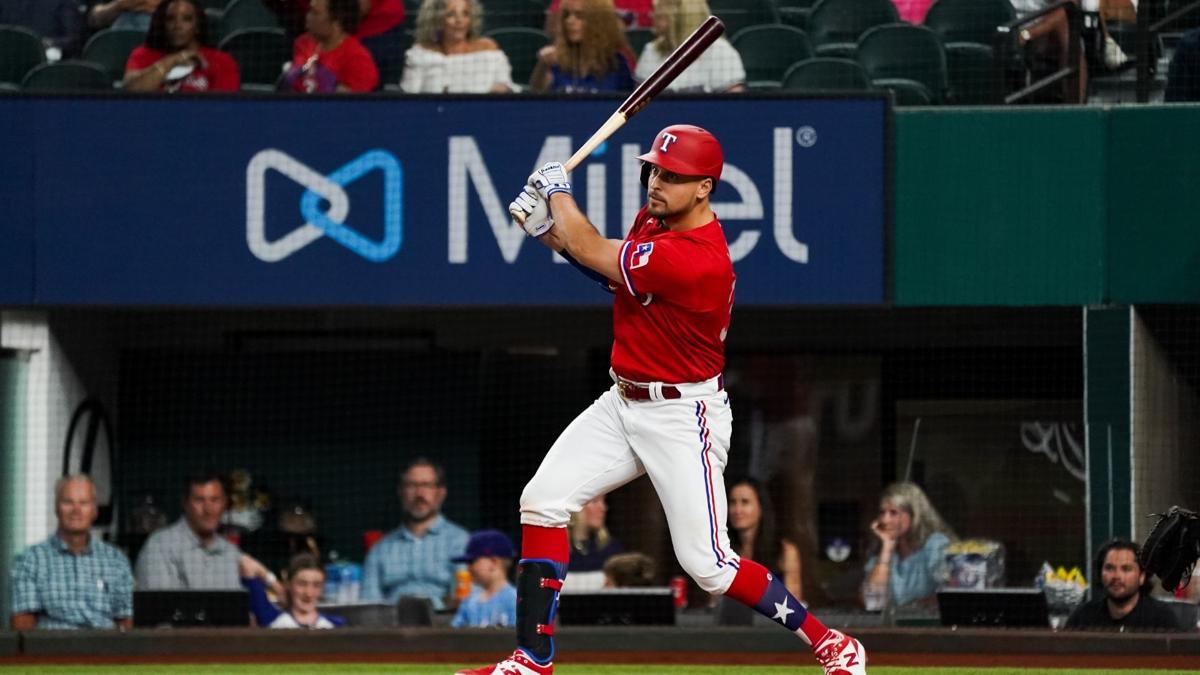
1172	547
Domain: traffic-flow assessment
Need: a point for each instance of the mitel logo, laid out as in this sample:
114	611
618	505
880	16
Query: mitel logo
318	223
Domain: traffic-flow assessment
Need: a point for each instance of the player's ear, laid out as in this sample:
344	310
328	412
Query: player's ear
705	188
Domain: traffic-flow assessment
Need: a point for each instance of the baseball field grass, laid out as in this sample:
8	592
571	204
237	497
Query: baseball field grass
583	669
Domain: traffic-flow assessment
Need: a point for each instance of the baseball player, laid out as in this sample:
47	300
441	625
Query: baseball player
667	413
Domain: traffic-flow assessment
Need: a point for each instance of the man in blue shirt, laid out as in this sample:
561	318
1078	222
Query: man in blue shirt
415	558
493	601
72	579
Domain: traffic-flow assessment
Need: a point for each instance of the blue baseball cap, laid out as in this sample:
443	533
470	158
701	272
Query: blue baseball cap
486	544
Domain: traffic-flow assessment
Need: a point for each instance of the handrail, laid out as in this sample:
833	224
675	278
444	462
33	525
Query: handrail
1144	42
1003	42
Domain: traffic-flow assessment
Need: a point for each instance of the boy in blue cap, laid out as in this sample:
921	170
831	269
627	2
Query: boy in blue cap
493	601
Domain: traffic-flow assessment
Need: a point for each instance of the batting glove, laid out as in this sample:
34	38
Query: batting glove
550	179
532	212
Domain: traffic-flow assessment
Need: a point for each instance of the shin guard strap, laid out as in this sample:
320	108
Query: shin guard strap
538	583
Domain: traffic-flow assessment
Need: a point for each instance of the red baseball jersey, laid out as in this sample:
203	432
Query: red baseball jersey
672	304
219	71
350	62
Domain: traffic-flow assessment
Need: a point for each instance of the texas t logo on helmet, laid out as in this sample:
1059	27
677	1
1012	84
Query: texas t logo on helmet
668	139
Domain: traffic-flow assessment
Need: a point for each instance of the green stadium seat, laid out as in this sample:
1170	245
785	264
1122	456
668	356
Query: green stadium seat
242	14
70	75
767	51
835	25
521	45
509	14
905	92
20	51
969	20
794	12
260	54
111	48
904	51
826	74
740	14
638	39
971	70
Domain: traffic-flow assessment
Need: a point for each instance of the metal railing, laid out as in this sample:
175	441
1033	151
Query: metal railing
1005	41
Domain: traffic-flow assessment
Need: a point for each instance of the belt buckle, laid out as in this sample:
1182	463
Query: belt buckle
623	388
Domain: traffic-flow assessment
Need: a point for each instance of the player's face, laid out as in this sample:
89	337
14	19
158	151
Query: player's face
573	21
593	513
421	495
304	589
76	507
483	570
1121	575
317	21
456	23
181	24
671	194
744	508
893	519
203	507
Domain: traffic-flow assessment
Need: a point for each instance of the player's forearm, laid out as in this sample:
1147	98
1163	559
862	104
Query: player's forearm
579	238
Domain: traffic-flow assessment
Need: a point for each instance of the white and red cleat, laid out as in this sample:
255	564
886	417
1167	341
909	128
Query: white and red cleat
840	654
517	664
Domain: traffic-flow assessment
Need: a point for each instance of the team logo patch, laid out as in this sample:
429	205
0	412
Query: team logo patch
641	256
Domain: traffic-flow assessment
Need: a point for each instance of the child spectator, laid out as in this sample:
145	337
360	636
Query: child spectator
493	601
589	54
176	55
450	56
305	580
328	57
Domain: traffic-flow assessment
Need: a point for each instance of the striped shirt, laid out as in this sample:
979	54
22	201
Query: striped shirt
404	564
91	589
174	559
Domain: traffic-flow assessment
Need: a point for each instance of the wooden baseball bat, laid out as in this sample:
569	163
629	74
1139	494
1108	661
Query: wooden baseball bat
684	55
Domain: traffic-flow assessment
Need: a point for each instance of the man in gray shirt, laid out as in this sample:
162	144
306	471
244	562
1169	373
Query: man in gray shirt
190	555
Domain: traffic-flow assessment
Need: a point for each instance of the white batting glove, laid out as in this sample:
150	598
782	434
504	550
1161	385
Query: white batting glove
550	179
532	212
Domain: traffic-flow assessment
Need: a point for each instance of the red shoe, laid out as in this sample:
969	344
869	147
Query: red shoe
517	664
841	654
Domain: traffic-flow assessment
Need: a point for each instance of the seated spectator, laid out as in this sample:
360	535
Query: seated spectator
305	581
912	539
450	56
493	601
1049	38
190	555
415	559
752	533
58	22
629	570
328	57
381	31
589	54
124	14
1126	603
176	55
1183	75
630	14
72	579
719	68
591	546
913	11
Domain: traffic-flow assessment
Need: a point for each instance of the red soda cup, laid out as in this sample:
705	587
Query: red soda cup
679	591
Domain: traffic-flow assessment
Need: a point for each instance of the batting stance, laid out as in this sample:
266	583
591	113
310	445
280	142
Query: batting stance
667	413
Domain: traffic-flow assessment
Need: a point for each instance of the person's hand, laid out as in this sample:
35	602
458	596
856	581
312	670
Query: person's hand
143	6
548	55
886	537
529	209
550	180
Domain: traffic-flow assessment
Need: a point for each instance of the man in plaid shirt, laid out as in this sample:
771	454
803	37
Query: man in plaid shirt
72	579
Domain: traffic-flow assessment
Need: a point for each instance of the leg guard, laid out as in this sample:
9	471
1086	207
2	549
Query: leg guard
538	584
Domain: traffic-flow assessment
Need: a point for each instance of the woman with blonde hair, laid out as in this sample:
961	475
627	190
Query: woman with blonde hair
589	54
450	56
718	70
912	538
591	546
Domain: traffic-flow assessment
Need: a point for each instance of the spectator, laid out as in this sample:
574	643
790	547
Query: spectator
912	11
630	14
1049	37
58	22
328	57
589	54
450	56
629	570
124	14
718	70
591	545
1183	76
912	538
72	579
190	555
753	535
176	57
305	581
381	31
1126	603
493	601
415	559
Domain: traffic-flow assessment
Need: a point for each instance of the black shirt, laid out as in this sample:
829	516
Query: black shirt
1147	614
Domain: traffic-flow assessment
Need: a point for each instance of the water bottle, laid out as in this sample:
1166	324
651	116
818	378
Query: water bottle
332	592
351	582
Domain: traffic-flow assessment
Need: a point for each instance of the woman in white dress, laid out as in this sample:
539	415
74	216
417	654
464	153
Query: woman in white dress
450	56
718	70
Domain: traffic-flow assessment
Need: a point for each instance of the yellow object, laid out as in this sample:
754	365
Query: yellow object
463	589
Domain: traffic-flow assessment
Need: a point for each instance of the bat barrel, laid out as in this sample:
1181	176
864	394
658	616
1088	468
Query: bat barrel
684	55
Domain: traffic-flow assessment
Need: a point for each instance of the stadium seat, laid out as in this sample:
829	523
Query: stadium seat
905	92
260	54
521	45
970	70
740	14
767	51
835	25
904	51
67	75
638	39
20	51
509	14
826	74
242	14
794	12
110	49
969	20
